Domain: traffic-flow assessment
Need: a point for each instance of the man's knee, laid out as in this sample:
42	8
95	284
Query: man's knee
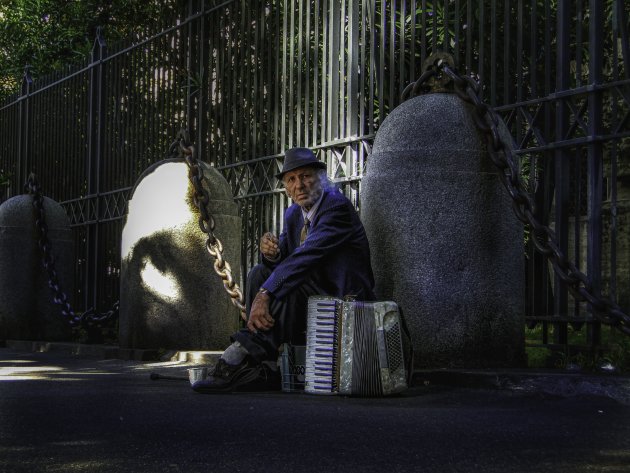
258	275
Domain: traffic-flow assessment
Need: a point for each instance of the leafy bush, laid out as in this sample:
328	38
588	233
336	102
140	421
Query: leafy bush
613	353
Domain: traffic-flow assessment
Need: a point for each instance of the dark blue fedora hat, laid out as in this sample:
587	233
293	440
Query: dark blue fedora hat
297	158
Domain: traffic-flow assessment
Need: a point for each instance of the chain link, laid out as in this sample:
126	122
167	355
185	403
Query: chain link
90	317
543	237
183	149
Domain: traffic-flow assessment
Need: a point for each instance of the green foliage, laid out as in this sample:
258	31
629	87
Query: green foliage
49	34
614	350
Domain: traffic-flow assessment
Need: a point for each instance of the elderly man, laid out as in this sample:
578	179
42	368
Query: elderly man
323	250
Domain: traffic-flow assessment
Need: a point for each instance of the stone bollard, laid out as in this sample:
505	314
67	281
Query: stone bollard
445	243
27	309
170	295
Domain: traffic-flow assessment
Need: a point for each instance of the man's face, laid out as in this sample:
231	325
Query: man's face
303	186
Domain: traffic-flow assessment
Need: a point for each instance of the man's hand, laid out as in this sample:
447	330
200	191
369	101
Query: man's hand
269	246
259	316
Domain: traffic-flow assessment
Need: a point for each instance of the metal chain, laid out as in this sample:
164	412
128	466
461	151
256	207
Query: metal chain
183	149
90	317
544	238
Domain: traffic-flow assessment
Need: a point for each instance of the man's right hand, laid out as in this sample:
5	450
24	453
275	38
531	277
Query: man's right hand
269	246
259	316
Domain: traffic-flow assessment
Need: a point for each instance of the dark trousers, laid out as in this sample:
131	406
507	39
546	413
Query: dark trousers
289	315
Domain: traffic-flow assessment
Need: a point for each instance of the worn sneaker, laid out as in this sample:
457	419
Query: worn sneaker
226	378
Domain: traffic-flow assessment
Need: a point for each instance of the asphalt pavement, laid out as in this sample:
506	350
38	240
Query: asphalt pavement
68	413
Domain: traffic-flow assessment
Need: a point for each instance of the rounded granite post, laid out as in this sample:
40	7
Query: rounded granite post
27	308
445	243
170	295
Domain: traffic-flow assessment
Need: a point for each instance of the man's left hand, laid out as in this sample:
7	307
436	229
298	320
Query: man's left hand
259	316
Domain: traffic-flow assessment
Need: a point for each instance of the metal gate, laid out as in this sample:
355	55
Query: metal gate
253	78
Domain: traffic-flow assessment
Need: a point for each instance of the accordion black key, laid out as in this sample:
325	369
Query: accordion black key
356	348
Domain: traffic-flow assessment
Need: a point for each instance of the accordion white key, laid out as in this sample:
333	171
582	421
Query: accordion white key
356	348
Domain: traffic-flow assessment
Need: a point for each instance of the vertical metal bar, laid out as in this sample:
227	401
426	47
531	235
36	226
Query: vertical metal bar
381	62
402	50
352	70
202	95
278	118
365	72
507	53
24	128
456	41
283	120
218	86
562	163
41	107
262	67
371	12
307	74
142	131
292	68
445	25
547	297
333	71
352	80
493	53
364	67
263	92
254	83
622	22
230	100
548	53
577	226
316	74
392	56
614	148
423	46
151	145
482	45
595	155
341	110
189	67
520	52
412	41
533	50
469	29
435	38
95	137
163	85
239	115
132	139
579	17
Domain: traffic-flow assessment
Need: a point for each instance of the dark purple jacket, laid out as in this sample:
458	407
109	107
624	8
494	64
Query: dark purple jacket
336	254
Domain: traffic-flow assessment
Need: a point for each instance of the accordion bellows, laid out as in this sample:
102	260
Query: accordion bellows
356	348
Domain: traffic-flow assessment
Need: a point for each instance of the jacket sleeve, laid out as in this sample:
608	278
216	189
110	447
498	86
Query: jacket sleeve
333	228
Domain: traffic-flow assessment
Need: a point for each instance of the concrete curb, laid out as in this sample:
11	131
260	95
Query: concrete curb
549	383
108	352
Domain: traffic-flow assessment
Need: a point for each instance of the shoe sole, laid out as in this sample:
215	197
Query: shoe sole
246	377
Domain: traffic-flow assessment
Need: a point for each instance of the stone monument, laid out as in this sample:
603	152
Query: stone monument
27	309
170	295
446	245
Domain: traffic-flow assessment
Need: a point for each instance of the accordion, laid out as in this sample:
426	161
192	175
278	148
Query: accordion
356	348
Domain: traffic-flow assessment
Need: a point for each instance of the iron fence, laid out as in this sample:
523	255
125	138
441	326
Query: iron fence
253	78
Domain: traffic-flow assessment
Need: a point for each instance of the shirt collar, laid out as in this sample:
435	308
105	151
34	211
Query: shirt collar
311	213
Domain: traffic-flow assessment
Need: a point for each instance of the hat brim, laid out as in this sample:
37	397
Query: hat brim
297	164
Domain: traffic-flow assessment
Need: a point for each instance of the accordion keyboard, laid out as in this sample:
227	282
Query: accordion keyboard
324	356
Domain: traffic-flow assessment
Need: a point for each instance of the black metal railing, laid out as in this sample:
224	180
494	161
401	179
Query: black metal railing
251	79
